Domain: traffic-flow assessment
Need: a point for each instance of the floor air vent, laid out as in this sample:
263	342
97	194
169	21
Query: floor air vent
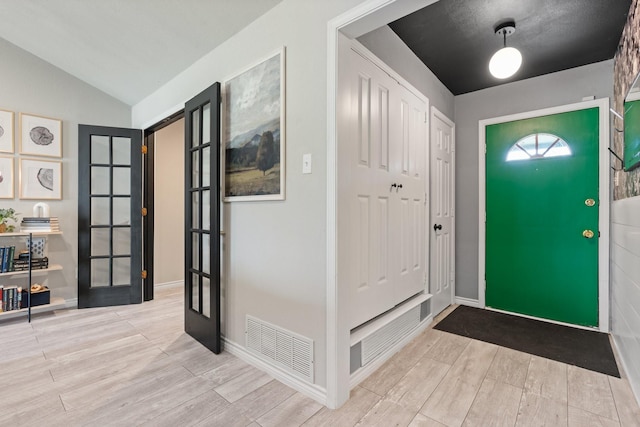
292	352
388	335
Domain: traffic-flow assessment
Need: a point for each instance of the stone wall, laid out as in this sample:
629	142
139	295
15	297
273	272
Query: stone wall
627	66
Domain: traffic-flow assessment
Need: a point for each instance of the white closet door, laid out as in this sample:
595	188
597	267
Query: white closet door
408	148
382	162
370	205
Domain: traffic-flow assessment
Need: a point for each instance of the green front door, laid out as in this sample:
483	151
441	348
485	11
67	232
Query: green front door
542	217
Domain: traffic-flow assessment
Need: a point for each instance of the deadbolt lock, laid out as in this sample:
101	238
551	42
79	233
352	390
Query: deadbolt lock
588	234
590	202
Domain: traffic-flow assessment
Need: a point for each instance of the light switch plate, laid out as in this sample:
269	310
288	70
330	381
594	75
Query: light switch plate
306	163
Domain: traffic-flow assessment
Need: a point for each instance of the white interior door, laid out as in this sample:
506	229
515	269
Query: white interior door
442	265
382	161
409	160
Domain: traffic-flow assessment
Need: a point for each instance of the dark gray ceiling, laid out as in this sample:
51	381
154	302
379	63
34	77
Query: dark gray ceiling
455	38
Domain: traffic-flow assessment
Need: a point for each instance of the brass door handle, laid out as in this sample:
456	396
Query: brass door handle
588	234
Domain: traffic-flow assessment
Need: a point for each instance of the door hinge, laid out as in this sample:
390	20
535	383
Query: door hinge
144	274
144	149
425	117
144	211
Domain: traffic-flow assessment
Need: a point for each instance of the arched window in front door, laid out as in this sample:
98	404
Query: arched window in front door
538	146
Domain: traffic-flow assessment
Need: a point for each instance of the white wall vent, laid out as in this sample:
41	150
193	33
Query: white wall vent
290	351
389	334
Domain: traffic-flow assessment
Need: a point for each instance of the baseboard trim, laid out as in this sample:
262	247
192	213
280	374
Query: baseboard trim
467	301
361	374
317	393
635	387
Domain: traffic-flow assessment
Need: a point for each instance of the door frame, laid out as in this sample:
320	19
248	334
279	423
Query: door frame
148	198
353	23
440	115
603	196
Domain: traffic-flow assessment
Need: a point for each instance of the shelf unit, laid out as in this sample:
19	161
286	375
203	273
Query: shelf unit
55	303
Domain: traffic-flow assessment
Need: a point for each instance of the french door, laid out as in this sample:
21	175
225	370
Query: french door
109	216
202	218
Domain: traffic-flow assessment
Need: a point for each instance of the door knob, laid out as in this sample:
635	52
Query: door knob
588	234
437	227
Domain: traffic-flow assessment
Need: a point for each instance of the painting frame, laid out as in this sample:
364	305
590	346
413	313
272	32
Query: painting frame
37	183
40	136
6	185
6	131
254	133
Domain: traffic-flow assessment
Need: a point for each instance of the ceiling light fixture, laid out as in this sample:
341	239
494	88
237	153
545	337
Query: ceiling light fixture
505	62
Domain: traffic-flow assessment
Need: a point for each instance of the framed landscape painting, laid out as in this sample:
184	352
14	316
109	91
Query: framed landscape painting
254	132
40	136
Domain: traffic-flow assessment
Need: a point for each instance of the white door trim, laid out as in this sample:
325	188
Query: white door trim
363	18
603	207
437	113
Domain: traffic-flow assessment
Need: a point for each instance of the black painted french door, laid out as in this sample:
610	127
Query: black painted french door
109	216
202	218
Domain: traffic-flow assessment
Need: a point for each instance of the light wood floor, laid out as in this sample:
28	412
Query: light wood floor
133	365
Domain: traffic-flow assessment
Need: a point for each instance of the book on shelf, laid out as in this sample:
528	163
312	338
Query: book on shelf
36	224
6	258
11	298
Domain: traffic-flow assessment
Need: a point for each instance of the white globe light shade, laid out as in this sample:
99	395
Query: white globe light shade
505	62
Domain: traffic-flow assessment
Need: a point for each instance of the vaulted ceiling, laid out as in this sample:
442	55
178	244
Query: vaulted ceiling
455	38
126	48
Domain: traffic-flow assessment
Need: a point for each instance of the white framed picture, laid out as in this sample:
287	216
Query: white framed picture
254	132
6	177
40	179
6	131
40	136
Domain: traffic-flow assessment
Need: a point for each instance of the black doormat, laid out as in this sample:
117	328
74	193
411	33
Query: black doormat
586	349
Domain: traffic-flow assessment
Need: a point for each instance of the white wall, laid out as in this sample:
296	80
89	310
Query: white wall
30	85
625	285
386	45
274	252
168	236
555	89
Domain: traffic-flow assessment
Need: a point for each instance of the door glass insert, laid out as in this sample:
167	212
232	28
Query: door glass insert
121	240
195	292
538	146
121	211
121	271
100	180
121	151
121	180
100	241
100	210
100	273
206	297
99	149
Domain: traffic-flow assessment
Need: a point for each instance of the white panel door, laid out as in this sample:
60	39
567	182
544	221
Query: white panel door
442	267
381	185
370	201
408	168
